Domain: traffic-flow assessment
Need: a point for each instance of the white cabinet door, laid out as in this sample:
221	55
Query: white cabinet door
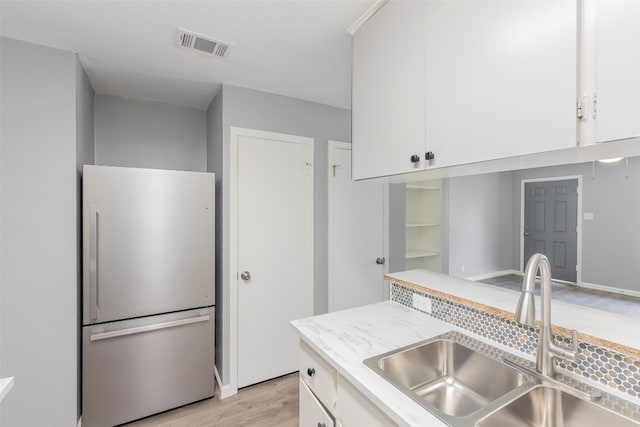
388	92
353	409
500	78
618	68
312	413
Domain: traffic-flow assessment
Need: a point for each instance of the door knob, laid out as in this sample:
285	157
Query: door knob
415	158
245	275
429	155
380	261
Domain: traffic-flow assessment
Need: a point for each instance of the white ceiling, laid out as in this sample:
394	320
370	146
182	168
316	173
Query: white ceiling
296	48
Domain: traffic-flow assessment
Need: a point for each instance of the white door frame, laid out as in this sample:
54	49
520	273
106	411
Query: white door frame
235	134
385	218
579	222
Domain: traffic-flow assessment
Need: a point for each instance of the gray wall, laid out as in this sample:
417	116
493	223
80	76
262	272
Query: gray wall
149	135
479	224
397	227
611	241
84	155
215	164
38	227
259	110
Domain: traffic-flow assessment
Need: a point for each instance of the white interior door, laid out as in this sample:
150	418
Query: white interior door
356	234
275	247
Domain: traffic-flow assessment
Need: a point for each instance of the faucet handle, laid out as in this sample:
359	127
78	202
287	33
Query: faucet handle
574	340
572	352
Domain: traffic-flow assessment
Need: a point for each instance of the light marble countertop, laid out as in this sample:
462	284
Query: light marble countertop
5	386
612	327
345	338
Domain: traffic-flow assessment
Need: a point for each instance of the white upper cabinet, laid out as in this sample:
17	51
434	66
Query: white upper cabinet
500	78
466	80
388	92
617	70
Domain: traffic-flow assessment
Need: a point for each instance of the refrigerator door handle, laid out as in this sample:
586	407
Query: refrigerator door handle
93	261
148	328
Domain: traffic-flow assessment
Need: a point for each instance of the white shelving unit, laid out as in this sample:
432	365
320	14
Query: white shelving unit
423	226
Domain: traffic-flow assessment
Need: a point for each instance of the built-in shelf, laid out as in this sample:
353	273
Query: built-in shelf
5	386
420	254
421	187
423	219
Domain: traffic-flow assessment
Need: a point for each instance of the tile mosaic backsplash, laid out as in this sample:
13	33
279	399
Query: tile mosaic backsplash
607	367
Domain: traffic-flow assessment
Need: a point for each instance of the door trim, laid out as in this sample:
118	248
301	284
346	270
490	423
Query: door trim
333	145
234	135
579	220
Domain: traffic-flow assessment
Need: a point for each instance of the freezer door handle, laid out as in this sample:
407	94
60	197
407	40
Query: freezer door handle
148	328
93	262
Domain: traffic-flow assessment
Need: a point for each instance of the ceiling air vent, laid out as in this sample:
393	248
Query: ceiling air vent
200	43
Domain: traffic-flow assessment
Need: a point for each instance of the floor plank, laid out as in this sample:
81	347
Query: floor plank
268	404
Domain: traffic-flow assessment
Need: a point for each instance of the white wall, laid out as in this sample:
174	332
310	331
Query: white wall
479	224
38	225
259	110
149	135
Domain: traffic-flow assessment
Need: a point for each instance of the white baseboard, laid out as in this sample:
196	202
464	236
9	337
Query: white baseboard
492	275
620	291
225	389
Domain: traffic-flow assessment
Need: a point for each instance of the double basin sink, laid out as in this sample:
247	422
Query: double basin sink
465	387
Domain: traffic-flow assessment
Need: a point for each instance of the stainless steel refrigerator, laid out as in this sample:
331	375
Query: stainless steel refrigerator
148	292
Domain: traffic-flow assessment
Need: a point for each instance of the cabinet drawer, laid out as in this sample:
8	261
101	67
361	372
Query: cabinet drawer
318	375
312	413
353	409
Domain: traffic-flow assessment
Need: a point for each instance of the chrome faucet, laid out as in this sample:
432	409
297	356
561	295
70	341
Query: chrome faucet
526	315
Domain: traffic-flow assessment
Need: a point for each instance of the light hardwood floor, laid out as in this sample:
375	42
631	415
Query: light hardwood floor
268	404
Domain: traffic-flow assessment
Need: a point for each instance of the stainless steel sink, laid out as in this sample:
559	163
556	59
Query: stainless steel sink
447	376
549	407
464	382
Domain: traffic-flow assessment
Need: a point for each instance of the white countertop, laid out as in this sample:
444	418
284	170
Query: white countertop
346	338
5	386
597	323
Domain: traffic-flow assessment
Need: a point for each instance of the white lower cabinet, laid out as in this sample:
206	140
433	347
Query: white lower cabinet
312	413
354	409
327	399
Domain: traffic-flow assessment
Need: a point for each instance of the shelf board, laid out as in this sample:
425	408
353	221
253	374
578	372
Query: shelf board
420	254
422	225
422	188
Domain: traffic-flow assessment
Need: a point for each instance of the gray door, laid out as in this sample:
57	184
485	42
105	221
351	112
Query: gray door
550	224
148	242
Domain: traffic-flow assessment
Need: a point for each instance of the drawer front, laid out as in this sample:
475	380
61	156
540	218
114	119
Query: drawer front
318	375
312	413
136	368
353	409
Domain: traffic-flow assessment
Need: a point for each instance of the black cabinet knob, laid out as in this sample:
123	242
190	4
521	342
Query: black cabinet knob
311	372
415	158
429	155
